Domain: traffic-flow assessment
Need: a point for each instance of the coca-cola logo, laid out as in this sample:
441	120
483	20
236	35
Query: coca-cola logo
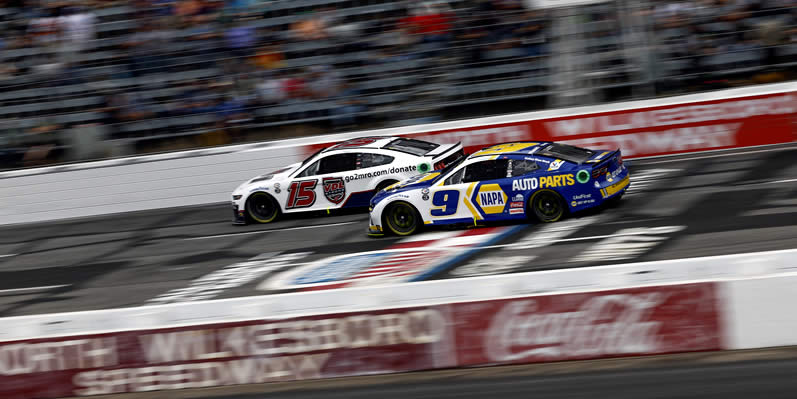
602	325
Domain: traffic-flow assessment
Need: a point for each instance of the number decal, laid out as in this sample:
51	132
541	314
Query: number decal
301	194
446	202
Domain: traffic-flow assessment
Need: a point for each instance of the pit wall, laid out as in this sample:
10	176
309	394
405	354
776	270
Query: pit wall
699	304
727	119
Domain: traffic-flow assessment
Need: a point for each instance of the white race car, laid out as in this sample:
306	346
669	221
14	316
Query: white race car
345	175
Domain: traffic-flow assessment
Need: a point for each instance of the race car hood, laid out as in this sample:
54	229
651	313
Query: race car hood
276	175
416	182
265	179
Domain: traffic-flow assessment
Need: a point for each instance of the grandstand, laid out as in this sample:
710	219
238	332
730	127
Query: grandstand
90	79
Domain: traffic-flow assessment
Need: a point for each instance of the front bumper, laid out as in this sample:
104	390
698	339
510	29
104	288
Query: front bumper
375	230
238	215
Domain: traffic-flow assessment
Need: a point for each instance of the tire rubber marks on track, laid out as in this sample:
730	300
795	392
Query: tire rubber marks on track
627	244
235	275
646	178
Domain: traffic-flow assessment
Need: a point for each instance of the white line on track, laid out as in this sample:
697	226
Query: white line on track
643	161
31	289
782	181
270	231
7	255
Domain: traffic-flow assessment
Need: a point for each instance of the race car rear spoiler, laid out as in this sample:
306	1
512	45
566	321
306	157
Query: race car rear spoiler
446	154
602	160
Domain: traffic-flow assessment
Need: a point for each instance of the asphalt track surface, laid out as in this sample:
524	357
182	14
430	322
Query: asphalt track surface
685	206
767	373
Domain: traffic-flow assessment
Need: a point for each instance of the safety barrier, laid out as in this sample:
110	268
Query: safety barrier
733	118
700	304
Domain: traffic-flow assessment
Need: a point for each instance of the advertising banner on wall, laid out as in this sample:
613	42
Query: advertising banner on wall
637	321
649	131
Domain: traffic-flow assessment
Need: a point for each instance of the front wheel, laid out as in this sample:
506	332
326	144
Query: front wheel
547	206
402	219
262	208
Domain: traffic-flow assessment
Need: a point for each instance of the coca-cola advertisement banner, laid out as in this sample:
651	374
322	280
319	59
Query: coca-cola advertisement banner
638	321
650	131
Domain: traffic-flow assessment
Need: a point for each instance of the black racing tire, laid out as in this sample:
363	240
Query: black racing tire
401	218
381	186
262	207
547	206
615	201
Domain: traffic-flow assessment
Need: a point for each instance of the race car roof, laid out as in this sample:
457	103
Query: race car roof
400	144
523	147
363	142
544	148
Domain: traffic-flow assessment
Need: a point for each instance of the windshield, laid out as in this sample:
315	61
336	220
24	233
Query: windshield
312	156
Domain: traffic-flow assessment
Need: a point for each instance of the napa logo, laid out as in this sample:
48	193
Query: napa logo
491	198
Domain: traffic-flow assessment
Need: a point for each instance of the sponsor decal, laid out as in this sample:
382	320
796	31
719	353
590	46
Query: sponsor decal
411	259
518	197
555	165
516	204
557	181
583	176
611	175
532	183
616	187
259	189
636	321
516	211
582	196
334	189
383	172
535	159
491	198
302	194
529	183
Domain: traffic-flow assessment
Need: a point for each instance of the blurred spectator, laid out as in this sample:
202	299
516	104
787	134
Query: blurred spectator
77	29
349	106
322	82
41	142
240	39
312	27
269	57
148	46
184	58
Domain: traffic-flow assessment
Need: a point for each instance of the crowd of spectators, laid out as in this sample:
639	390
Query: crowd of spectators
165	74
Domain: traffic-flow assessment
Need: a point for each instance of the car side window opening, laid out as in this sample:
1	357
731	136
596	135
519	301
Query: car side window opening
486	170
521	167
455	177
331	164
369	160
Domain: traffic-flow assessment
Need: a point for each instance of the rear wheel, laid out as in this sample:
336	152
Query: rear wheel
547	206
262	207
401	218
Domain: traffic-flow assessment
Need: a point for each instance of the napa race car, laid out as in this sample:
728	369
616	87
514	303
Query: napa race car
344	175
525	180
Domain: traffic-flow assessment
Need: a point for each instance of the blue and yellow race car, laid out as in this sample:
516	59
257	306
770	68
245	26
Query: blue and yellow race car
523	180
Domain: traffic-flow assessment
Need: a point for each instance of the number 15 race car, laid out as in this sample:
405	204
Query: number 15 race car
541	181
342	176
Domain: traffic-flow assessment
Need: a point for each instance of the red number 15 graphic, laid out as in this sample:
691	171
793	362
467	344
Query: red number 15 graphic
301	194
